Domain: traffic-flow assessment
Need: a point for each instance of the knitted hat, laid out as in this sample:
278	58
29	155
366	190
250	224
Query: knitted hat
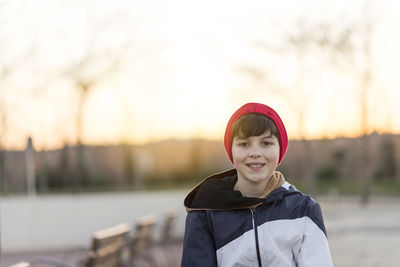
261	109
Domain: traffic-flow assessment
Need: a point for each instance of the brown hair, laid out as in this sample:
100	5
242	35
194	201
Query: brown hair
253	124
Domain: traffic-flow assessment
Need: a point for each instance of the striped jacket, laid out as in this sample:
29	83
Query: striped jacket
223	228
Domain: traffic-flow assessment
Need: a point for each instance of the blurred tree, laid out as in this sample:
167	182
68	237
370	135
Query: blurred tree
127	151
309	43
7	68
4	72
337	47
357	60
195	165
30	167
339	157
369	164
64	167
327	173
386	168
97	62
396	143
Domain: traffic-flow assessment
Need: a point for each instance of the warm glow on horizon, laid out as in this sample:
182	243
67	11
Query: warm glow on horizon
181	76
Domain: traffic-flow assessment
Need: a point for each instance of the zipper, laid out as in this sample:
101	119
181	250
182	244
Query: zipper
253	215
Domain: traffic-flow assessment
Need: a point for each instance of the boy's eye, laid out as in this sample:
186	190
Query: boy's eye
266	143
243	144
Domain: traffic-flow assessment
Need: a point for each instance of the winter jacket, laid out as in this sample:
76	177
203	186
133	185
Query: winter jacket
223	228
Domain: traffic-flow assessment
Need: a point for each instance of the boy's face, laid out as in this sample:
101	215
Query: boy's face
256	157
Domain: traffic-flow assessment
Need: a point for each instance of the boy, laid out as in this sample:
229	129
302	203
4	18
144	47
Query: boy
250	216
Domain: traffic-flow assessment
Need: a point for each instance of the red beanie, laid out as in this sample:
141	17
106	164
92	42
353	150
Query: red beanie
261	109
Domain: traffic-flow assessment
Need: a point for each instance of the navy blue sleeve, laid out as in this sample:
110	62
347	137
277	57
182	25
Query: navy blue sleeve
198	244
315	214
314	251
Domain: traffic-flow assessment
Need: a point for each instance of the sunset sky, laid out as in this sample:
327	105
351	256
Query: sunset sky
182	65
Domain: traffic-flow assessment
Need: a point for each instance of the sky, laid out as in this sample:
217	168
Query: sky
183	68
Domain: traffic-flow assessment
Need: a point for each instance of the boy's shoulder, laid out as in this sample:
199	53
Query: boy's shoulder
295	196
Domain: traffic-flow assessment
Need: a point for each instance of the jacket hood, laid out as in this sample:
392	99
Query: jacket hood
216	193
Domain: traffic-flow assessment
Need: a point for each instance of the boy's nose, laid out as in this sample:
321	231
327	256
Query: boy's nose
254	153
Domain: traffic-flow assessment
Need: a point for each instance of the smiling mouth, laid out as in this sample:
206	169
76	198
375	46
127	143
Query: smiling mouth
255	166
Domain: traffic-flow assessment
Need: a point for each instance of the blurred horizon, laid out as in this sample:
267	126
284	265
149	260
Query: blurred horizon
133	72
183	140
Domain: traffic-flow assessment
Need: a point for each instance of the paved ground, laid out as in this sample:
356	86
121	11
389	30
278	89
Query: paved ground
358	236
164	256
68	256
363	236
